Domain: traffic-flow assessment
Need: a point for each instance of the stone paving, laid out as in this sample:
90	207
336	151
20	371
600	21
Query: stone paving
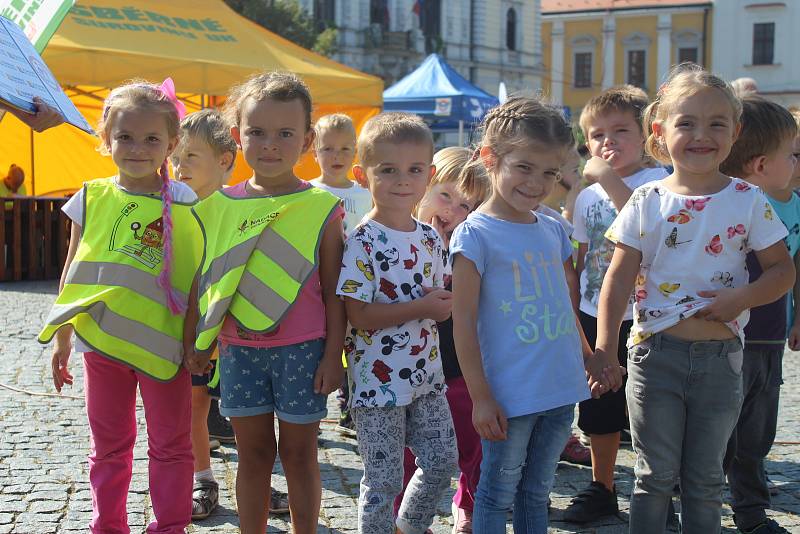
44	441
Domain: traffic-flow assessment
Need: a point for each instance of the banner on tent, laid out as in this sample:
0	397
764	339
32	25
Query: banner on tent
39	19
444	107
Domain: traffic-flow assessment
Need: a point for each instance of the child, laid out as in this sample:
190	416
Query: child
454	191
267	290
122	294
516	332
392	282
335	151
681	245
764	156
204	161
611	123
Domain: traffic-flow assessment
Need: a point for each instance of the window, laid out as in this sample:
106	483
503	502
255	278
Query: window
324	13
511	29
763	43
379	13
430	20
636	67
687	54
583	69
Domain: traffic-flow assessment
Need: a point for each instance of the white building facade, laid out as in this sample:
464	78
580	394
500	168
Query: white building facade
487	41
759	39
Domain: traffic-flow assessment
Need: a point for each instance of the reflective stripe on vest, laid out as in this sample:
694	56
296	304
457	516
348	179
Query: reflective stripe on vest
260	251
110	295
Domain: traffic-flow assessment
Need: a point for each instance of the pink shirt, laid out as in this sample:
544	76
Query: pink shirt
305	320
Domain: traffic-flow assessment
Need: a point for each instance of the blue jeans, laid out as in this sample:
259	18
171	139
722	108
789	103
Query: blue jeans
518	472
684	399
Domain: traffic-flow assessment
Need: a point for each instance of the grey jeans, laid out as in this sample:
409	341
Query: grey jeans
684	399
426	427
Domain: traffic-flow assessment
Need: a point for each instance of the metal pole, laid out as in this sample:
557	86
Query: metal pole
33	170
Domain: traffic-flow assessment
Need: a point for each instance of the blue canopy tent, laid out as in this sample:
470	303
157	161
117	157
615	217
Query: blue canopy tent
441	96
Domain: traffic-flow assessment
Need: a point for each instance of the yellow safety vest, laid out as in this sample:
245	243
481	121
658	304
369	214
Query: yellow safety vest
110	294
259	253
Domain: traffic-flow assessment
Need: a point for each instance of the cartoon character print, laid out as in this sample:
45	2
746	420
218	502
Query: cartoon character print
394	342
387	258
388	288
382	371
366	399
147	247
411	262
416	377
413	290
429	241
366	269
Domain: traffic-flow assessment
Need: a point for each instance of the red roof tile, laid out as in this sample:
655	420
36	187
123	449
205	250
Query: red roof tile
562	6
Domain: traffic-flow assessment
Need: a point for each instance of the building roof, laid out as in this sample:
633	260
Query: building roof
574	6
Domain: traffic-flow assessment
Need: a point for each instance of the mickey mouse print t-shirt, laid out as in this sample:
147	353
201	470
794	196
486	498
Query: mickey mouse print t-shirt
392	366
691	244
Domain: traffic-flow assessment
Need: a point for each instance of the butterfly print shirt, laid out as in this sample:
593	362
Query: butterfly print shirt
691	244
395	365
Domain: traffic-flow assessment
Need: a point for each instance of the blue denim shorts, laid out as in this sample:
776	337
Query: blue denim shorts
260	380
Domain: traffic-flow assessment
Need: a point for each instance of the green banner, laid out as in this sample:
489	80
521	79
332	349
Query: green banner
39	19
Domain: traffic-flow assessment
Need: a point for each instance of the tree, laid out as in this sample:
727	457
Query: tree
290	21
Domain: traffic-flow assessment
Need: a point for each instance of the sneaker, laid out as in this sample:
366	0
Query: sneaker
592	503
462	520
205	497
213	444
219	427
576	453
767	527
278	502
585	439
346	427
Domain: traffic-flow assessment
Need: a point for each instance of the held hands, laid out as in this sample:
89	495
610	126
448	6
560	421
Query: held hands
604	372
329	375
438	303
489	420
61	375
598	170
197	364
726	306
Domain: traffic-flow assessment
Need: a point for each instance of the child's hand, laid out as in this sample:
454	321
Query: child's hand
597	170
438	303
329	375
610	374
61	376
197	364
726	306
489	420
595	374
794	336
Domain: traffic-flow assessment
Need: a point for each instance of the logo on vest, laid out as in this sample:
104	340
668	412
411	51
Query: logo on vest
143	245
248	224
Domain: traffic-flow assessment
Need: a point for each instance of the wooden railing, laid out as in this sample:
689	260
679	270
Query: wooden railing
34	238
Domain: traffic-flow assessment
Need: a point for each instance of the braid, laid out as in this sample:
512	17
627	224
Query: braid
176	305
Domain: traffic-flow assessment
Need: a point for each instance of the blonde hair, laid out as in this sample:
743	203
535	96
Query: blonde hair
453	166
335	121
144	95
521	120
392	127
622	99
280	86
684	80
209	126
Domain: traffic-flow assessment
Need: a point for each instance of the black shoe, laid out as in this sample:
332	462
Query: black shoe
346	427
767	527
219	428
591	504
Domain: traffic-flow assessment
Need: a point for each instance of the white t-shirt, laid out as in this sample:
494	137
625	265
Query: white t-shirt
594	212
394	365
73	209
356	200
550	212
691	244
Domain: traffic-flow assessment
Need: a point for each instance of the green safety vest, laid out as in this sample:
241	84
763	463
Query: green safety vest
110	294
259	253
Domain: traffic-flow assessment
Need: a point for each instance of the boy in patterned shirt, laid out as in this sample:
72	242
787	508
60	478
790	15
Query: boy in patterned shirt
392	282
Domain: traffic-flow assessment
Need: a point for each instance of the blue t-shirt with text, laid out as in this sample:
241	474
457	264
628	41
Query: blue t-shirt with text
529	342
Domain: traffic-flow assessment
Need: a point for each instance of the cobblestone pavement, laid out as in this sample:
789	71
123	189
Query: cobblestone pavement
44	441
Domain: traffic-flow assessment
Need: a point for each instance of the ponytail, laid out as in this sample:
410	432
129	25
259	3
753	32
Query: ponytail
174	301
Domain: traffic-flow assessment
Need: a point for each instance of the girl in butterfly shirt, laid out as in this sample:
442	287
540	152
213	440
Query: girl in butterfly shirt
684	388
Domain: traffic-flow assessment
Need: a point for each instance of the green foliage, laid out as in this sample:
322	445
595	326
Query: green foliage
287	19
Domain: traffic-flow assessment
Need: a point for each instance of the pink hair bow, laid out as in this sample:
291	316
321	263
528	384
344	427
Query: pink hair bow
168	89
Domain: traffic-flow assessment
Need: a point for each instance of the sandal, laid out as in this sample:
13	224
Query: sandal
205	497
278	502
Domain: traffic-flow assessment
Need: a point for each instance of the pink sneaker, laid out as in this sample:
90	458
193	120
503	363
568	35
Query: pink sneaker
576	453
462	521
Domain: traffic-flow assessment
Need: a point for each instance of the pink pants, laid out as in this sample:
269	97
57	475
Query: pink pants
469	448
110	389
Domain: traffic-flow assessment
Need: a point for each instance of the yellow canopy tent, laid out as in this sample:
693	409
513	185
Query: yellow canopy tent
202	44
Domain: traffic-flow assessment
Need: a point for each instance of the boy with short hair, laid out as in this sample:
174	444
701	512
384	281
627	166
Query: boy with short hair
335	151
764	156
392	282
611	123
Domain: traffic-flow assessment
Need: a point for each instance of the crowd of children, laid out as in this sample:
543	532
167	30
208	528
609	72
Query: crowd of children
471	327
